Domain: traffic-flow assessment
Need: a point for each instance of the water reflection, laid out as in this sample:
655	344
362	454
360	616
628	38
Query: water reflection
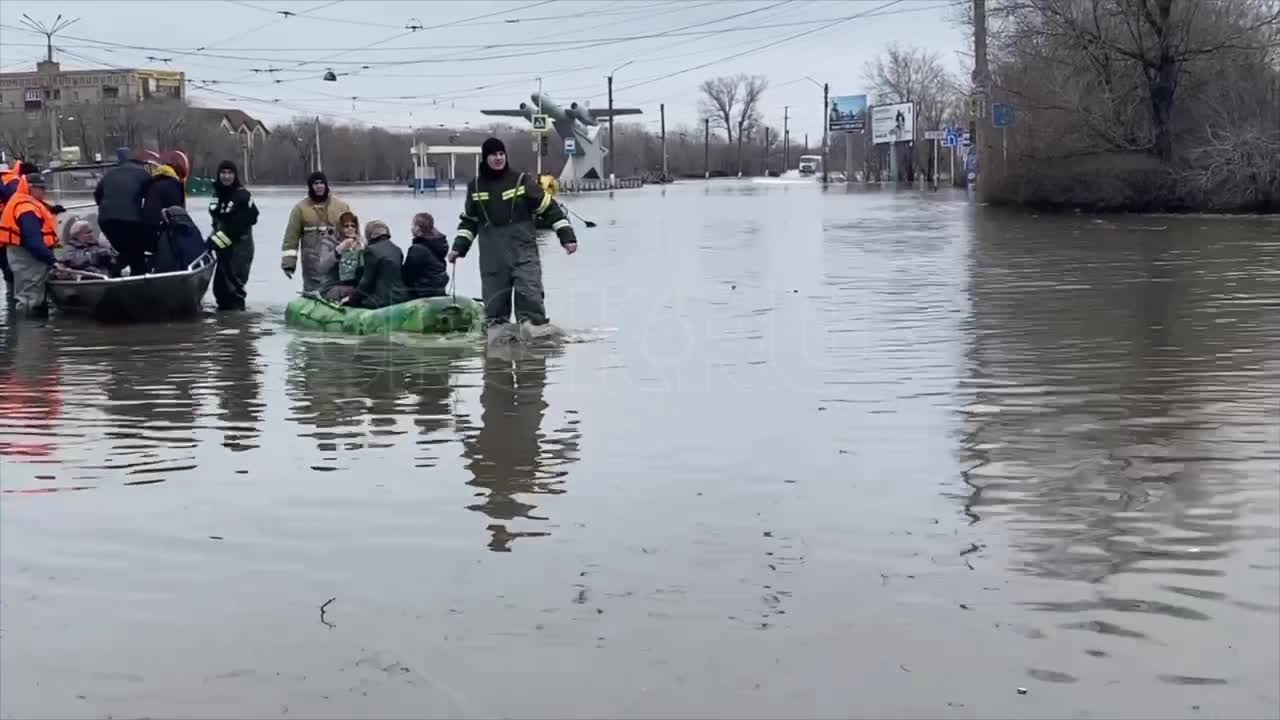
1117	409
136	411
511	456
355	394
30	393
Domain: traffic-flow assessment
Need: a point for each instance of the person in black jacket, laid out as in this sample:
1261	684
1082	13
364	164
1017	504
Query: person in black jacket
501	210
166	189
425	273
234	215
119	199
380	281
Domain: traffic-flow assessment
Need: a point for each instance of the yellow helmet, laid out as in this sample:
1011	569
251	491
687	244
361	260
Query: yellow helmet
549	184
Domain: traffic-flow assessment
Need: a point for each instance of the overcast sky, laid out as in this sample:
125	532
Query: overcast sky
250	56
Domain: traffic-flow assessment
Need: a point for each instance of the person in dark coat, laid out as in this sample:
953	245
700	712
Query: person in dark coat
234	215
425	272
179	243
380	280
119	198
501	210
166	189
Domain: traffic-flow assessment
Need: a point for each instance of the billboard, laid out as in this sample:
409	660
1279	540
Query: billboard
847	113
893	123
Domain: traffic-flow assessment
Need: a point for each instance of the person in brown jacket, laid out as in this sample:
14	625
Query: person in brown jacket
313	232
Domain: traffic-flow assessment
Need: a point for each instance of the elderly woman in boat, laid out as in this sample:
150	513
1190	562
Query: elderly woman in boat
84	251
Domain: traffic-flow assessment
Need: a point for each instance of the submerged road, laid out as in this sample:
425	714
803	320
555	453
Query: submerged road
810	455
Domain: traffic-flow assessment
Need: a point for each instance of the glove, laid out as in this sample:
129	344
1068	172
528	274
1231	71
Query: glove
219	241
288	272
567	236
58	209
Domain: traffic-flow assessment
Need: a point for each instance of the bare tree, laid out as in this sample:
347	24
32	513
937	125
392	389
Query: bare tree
915	75
719	99
752	90
1140	102
19	135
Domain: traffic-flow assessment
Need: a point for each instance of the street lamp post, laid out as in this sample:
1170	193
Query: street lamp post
826	118
609	151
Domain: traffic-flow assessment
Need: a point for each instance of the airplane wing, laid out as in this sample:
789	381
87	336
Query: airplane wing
504	113
614	112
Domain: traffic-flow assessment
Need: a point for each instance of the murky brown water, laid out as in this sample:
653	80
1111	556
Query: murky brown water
815	455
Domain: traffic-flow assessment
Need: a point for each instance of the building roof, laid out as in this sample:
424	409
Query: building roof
235	118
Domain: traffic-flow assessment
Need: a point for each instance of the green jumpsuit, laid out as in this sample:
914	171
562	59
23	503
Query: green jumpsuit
501	212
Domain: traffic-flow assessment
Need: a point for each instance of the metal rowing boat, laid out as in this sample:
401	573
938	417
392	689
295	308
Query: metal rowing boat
155	296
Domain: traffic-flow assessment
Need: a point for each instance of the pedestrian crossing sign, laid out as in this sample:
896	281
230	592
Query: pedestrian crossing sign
539	123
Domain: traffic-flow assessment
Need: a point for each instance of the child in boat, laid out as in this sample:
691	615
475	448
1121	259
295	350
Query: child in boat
425	272
84	251
348	255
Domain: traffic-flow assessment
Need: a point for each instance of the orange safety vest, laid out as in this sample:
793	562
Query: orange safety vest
18	205
12	172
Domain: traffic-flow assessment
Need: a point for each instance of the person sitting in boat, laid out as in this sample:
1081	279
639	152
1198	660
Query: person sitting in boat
83	250
312	230
348	257
425	272
180	242
165	189
380	283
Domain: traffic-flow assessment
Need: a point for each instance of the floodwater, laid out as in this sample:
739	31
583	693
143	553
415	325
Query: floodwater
810	454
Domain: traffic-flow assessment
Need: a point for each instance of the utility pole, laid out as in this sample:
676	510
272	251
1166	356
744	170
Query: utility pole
706	147
537	139
826	121
786	139
319	166
766	151
977	107
49	71
662	114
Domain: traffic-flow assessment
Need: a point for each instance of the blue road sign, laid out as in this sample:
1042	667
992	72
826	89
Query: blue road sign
1002	115
570	146
951	139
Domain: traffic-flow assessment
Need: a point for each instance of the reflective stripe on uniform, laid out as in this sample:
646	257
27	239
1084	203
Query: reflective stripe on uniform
542	206
479	196
559	224
465	233
508	194
289	253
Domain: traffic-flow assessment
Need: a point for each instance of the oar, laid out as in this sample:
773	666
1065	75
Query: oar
73	168
585	221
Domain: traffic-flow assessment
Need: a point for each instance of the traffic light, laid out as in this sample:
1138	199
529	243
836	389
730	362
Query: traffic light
546	147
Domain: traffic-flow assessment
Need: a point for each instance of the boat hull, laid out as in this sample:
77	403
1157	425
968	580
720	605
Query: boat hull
153	297
425	316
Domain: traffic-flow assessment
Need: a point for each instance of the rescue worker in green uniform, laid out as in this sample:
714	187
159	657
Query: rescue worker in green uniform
501	210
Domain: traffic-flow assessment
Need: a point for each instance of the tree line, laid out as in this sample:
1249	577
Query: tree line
1120	104
1139	104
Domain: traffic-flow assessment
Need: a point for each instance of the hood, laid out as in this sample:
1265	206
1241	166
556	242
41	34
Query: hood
313	177
165	171
433	235
178	216
225	192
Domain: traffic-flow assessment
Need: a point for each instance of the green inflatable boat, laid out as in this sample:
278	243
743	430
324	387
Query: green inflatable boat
425	316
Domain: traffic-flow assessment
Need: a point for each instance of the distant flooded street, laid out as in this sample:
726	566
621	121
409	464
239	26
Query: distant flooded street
810	454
